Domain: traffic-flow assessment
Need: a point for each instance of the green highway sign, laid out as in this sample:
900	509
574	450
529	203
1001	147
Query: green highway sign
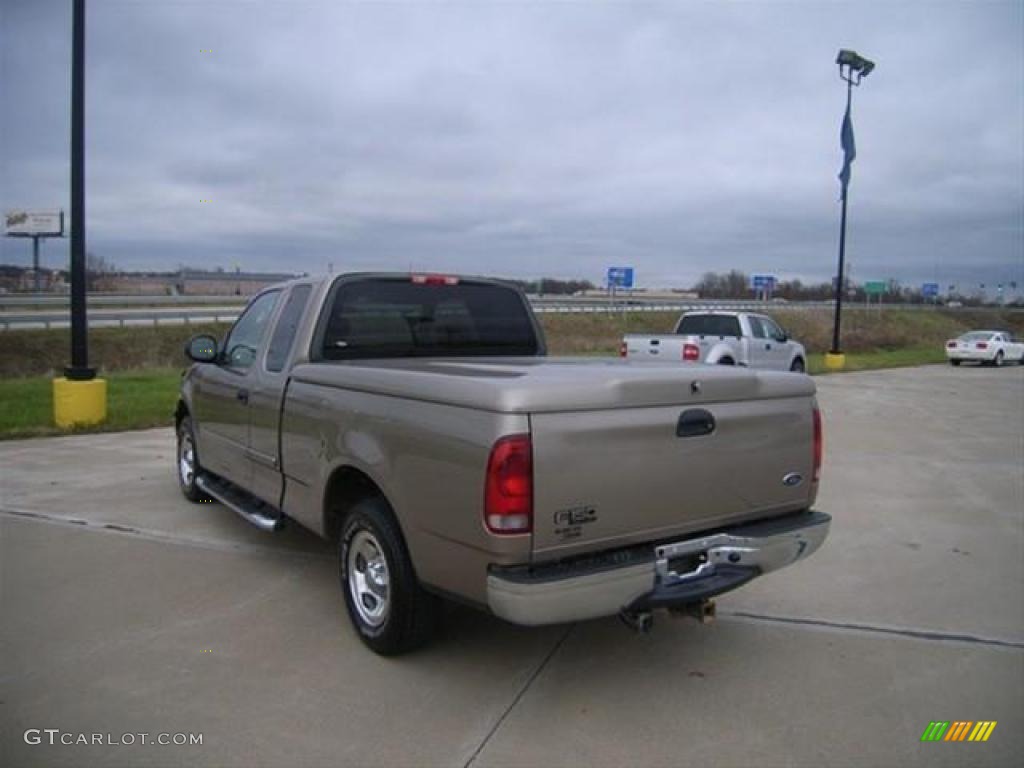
875	287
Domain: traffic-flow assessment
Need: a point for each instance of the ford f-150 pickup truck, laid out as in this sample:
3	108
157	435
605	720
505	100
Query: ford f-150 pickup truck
416	421
725	338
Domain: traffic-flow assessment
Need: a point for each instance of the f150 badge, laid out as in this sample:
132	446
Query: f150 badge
569	522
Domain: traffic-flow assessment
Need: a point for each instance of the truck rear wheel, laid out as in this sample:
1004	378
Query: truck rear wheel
798	366
390	611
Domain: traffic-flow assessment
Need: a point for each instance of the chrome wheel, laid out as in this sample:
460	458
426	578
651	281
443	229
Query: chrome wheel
368	578
186	460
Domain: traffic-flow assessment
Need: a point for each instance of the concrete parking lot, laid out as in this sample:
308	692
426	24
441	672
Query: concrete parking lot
126	609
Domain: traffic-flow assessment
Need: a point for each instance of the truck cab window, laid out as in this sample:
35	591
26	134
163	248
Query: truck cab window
709	325
381	318
243	341
287	326
772	329
756	327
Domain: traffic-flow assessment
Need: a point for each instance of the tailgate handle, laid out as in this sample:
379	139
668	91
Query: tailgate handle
695	422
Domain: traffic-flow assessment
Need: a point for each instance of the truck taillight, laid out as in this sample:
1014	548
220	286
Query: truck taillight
982	345
435	279
622	349
508	489
819	440
691	352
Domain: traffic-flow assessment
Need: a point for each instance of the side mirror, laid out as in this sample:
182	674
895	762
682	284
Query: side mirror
201	349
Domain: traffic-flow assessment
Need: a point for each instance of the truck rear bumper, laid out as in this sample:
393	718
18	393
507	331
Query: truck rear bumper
654	576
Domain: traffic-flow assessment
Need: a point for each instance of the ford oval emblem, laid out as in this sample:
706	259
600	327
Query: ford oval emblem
792	479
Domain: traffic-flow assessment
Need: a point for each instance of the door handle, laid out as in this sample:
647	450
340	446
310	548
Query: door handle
243	396
695	422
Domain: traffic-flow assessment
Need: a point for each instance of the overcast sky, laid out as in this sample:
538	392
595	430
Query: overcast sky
525	139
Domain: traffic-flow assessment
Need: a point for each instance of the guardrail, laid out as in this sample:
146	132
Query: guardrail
126	317
46	300
121	318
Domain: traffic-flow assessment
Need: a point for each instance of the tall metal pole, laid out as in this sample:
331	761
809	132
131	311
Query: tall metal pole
842	246
79	369
35	263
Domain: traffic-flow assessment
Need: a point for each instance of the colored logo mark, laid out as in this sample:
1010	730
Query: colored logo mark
958	730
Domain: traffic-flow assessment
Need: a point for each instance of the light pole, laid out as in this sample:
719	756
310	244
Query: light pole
852	68
79	397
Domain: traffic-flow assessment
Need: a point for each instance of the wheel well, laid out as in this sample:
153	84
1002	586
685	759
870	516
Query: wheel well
346	486
180	412
726	360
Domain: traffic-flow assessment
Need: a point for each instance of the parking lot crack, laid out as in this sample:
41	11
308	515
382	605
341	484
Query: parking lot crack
519	695
843	626
159	536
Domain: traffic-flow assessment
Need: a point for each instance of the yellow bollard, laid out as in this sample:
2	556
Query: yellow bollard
835	361
79	403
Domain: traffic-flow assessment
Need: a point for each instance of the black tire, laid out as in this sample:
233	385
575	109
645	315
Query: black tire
954	362
186	480
409	615
727	361
798	366
998	362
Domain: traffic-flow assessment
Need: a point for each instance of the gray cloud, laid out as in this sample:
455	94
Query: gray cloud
527	139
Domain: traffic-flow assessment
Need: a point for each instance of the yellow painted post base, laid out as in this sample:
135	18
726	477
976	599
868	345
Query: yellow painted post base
79	403
835	362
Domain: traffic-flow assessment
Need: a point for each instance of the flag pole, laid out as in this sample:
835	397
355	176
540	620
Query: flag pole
836	350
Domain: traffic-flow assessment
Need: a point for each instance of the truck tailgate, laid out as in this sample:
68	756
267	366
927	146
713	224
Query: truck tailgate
615	477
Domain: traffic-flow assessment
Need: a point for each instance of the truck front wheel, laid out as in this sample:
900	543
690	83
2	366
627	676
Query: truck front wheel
188	462
386	604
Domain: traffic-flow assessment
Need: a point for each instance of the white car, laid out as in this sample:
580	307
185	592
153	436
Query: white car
985	347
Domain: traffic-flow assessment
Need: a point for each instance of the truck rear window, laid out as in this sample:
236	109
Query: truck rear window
709	325
395	317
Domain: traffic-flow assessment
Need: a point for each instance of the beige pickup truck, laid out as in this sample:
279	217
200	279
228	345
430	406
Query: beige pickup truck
416	421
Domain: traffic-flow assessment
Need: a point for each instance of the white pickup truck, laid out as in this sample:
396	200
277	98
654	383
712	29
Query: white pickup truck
726	338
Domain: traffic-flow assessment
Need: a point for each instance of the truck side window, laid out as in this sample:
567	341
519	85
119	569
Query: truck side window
756	327
287	325
243	341
772	329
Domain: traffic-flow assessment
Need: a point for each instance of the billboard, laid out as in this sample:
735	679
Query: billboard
620	277
930	290
762	282
21	223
